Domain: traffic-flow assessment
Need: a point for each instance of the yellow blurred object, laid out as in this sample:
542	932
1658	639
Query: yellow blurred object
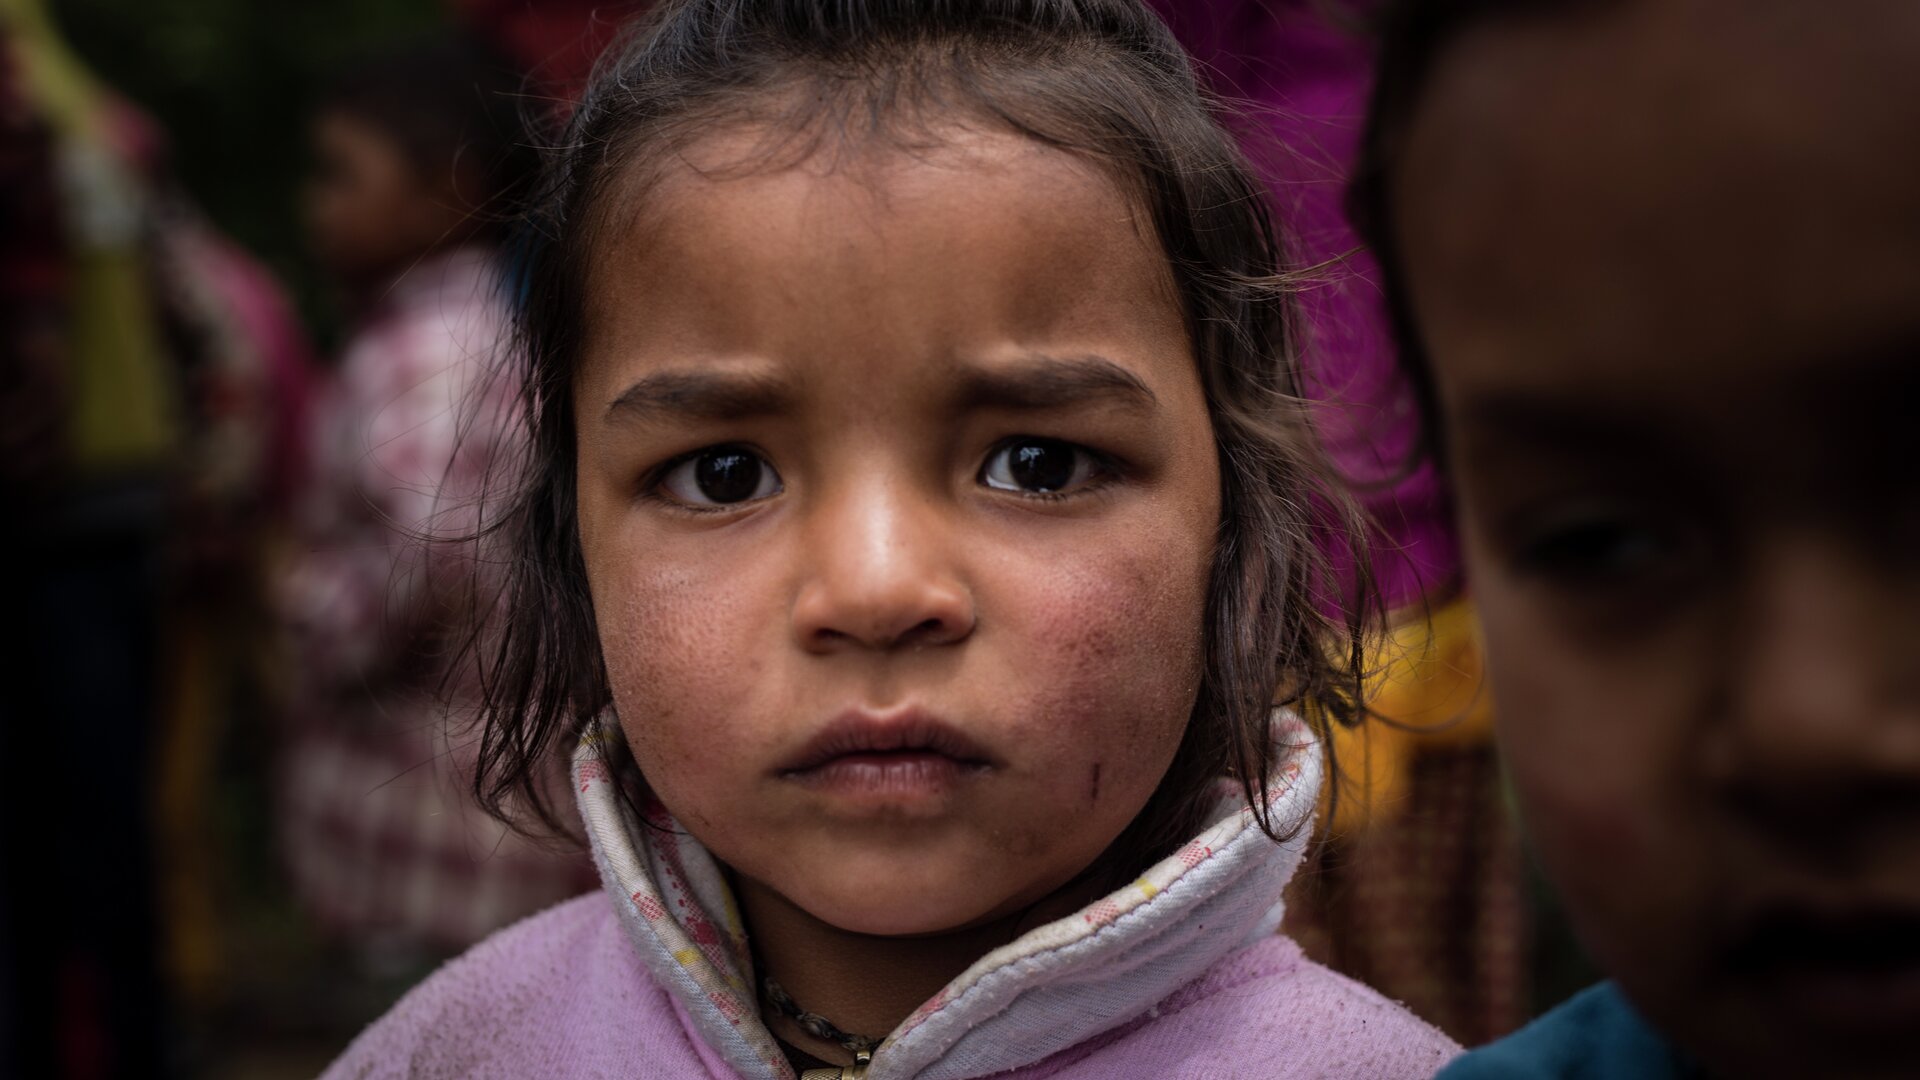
124	408
1430	691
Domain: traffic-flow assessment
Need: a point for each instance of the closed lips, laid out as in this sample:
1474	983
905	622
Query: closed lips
859	735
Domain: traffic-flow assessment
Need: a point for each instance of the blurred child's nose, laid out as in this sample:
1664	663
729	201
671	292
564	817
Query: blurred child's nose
881	572
1823	700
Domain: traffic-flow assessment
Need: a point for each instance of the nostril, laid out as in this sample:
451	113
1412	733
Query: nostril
829	618
926	631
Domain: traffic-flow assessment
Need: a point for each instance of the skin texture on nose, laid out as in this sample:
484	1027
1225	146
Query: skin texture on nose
875	329
1665	258
883	572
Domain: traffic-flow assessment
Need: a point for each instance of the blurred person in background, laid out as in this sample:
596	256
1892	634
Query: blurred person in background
151	402
1655	266
419	155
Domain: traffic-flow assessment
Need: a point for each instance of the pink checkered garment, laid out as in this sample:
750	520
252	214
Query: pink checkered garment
379	837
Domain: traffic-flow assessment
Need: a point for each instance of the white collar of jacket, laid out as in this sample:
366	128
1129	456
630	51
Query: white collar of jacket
1106	964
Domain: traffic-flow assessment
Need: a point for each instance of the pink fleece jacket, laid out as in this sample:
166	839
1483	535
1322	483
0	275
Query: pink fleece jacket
1180	974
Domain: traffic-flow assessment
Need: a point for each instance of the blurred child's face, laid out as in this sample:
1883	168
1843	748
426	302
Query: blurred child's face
1667	261
897	494
369	210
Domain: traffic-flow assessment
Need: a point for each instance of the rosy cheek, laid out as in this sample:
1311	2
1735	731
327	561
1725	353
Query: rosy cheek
1592	758
1575	796
672	658
1592	838
1119	635
1592	751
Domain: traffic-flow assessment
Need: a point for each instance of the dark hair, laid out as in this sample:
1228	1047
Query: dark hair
1413	36
1102	79
454	107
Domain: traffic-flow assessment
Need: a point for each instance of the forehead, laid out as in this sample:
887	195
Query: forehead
936	248
1711	196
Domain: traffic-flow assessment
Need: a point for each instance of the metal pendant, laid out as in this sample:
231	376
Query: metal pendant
855	1071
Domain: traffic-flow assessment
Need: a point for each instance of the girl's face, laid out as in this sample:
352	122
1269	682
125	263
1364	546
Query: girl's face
1667	262
897	495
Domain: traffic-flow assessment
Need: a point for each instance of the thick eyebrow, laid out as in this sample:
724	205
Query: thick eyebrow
700	395
1855	389
1038	381
1493	427
1543	418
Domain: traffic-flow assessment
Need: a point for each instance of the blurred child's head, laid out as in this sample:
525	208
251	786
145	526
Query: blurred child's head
917	469
1657	268
413	150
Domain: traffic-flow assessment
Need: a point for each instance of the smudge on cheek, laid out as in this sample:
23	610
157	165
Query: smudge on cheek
1126	633
1108	646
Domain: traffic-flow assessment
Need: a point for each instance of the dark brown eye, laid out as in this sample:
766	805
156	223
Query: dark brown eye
1037	466
721	476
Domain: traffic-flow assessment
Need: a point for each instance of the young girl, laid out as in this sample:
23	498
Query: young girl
919	533
1657	265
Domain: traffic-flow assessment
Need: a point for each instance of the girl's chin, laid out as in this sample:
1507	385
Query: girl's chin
882	912
930	908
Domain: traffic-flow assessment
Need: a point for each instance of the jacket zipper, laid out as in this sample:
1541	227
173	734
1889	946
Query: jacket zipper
862	1059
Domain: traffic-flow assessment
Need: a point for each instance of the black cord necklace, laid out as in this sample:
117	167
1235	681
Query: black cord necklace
813	1023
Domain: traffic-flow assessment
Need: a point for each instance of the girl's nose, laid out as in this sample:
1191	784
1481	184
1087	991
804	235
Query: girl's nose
881	573
1824	691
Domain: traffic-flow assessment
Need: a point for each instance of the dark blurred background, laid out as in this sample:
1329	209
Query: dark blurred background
228	762
231	825
231	82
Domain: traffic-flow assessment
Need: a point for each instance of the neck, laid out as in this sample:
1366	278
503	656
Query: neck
864	984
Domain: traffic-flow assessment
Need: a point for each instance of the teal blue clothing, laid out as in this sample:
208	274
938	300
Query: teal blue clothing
1595	1035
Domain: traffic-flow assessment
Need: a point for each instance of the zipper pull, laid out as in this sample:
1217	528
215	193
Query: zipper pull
855	1071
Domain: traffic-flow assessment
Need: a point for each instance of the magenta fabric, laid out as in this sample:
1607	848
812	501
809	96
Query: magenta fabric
1301	78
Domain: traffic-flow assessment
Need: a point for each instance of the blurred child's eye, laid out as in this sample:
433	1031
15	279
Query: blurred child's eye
1034	466
719	476
1601	549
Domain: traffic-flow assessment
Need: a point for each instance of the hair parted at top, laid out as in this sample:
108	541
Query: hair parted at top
1100	79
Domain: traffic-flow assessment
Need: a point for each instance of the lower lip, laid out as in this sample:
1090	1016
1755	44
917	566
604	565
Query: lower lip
888	777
